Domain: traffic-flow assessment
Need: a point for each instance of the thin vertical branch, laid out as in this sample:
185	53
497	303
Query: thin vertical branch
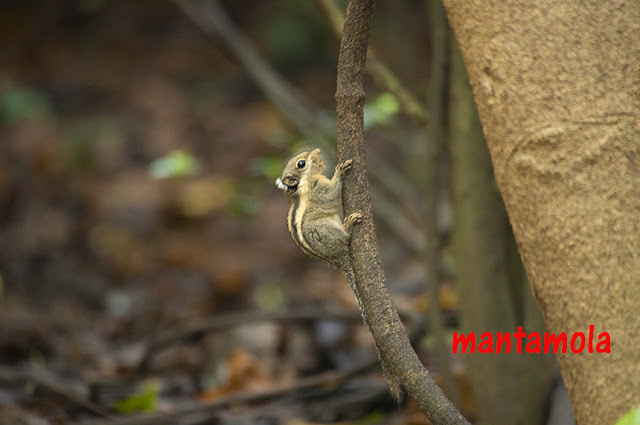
436	104
385	324
211	18
382	75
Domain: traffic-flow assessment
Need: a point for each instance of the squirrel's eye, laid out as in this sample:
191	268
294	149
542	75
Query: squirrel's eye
302	163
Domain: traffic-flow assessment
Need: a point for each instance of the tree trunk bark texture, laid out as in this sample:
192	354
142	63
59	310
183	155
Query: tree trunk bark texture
557	85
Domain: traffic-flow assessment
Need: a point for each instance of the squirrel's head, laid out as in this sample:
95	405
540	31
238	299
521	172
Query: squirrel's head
299	170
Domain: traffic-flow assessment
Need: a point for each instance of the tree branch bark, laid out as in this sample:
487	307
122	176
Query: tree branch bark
376	298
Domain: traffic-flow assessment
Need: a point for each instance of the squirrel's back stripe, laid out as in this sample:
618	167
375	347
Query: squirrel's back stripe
294	222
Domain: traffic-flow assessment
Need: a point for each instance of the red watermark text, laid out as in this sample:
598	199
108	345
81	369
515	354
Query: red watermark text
533	342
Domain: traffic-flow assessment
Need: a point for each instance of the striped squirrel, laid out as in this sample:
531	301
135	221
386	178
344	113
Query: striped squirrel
316	225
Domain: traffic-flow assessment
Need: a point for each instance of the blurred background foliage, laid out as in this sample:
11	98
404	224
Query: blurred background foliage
137	161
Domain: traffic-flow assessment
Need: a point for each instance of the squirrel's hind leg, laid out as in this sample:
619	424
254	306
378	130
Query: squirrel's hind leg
329	240
349	221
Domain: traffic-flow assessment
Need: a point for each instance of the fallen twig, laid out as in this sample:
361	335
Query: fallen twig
213	324
51	383
329	379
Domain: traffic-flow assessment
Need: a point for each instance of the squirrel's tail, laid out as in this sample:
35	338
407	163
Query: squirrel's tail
395	387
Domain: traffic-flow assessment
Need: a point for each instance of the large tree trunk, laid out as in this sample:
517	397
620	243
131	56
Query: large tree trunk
557	86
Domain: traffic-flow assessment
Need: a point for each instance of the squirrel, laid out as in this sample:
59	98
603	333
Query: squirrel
317	227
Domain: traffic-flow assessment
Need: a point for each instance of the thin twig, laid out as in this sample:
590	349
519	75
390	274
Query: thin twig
396	224
212	19
213	324
437	100
54	385
385	324
381	74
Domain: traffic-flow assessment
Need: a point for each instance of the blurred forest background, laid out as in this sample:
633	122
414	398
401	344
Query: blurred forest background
139	143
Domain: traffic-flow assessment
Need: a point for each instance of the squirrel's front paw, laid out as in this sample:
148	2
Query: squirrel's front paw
344	166
352	219
355	218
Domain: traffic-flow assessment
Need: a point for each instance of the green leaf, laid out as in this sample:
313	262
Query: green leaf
289	36
632	417
381	110
371	418
268	166
144	400
91	6
269	296
178	163
243	206
85	136
19	102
